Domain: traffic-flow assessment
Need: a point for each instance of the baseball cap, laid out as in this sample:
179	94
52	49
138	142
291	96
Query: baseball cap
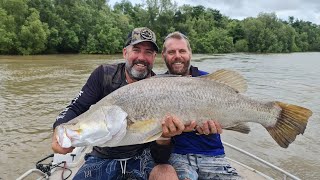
141	34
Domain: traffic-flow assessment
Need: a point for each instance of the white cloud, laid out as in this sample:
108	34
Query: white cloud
306	10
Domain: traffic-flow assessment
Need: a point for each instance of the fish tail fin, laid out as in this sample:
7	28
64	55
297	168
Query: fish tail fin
291	122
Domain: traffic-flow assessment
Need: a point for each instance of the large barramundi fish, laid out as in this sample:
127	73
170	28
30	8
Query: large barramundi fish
132	114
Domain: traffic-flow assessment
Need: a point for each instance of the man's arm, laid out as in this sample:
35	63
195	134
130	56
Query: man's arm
90	94
161	149
171	126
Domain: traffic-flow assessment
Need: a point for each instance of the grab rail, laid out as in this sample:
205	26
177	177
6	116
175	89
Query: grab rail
285	173
29	172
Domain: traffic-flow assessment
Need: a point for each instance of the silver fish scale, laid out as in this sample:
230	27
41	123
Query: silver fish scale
190	99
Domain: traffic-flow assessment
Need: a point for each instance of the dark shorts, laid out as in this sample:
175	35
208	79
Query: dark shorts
137	168
195	166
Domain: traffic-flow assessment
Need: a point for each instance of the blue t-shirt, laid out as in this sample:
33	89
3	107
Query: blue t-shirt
191	143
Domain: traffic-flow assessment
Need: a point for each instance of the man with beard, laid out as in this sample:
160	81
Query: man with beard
125	162
199	153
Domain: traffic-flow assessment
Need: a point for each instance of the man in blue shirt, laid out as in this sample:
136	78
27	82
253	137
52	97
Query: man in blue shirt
198	154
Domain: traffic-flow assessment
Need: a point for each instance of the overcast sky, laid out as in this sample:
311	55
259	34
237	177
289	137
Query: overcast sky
306	10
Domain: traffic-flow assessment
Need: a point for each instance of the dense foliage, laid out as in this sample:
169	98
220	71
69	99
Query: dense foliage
94	27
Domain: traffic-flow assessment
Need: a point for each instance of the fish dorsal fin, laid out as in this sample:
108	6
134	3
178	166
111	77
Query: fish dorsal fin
230	78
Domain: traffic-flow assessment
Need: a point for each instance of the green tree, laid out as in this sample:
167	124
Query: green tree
215	41
252	29
236	30
302	42
56	25
92	26
308	35
33	35
216	17
286	35
241	45
16	8
7	33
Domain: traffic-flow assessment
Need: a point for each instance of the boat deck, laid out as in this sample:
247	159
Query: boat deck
76	159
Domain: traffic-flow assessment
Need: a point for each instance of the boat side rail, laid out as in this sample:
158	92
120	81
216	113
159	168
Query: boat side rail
33	171
284	173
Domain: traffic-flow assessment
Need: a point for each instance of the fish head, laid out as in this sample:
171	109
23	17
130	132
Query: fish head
105	126
106	123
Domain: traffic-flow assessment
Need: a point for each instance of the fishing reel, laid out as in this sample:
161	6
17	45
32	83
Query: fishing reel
45	168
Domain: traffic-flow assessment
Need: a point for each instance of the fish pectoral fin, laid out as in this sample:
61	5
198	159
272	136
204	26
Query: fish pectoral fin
230	78
115	118
240	127
114	114
148	130
144	125
153	138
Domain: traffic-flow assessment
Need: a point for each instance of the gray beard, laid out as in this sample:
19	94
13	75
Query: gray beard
134	74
